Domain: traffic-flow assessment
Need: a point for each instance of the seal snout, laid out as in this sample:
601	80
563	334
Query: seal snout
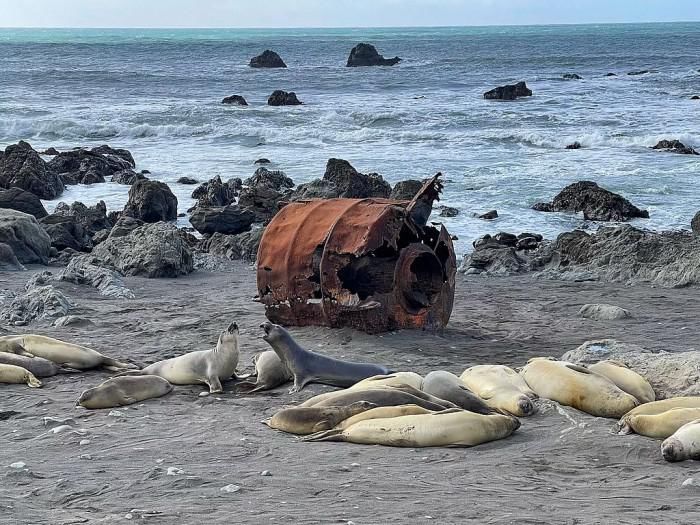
669	450
267	327
232	328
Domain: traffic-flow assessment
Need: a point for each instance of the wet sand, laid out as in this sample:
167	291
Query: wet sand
561	466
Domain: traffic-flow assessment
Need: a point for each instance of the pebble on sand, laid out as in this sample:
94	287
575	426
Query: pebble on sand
174	471
230	488
18	464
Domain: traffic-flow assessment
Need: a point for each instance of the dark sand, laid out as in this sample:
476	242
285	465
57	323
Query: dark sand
562	466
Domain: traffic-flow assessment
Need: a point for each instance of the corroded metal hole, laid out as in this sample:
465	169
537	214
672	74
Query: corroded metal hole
425	281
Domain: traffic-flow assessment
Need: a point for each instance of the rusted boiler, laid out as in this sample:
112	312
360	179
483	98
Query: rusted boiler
370	264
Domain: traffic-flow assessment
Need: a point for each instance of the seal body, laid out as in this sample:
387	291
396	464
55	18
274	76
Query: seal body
38	366
626	379
384	413
16	375
658	407
307	420
501	388
270	373
204	366
381	397
395	379
124	390
448	386
659	426
309	367
60	352
577	387
449	428
683	444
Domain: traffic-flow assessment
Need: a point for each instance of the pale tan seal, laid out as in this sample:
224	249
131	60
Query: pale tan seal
307	420
449	428
380	396
683	444
628	380
577	387
395	379
270	372
124	390
659	426
501	388
447	386
657	407
384	413
16	375
60	352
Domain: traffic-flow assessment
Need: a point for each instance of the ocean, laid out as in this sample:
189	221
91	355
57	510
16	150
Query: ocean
158	93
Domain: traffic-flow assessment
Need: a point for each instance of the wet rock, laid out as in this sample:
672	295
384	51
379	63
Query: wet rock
574	145
695	223
316	189
229	219
367	55
50	151
25	237
82	166
63	257
603	312
273	178
22	200
22	167
187	180
571	76
675	146
81	270
124	226
8	259
508	92
283	98
235	247
236	100
405	190
262	160
262	201
489	215
151	250
267	59
217	193
39	303
92	218
100	236
695	97
447	211
611	75
504	254
65	232
640	72
528	243
151	201
114	154
353	184
596	203
128	177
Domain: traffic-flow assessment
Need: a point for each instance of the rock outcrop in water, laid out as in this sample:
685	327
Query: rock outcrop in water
405	190
283	98
22	167
571	76
573	145
267	59
236	100
22	200
509	92
23	234
151	201
341	179
502	254
675	146
229	219
367	55
83	166
596	203
215	192
263	192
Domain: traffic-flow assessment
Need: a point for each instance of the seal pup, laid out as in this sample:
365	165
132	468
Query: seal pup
382	397
658	426
447	386
626	379
38	366
578	387
501	388
270	372
683	444
658	407
308	420
203	366
449	428
309	367
395	379
124	390
60	352
383	413
16	375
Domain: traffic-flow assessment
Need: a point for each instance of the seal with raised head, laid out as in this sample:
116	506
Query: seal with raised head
38	366
395	379
658	426
124	390
447	386
380	396
449	428
309	367
307	420
208	367
60	352
16	375
658	407
626	379
384	413
501	388
578	387
683	444
270	372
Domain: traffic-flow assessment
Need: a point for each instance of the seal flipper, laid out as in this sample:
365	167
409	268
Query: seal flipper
115	366
68	370
328	435
32	381
214	385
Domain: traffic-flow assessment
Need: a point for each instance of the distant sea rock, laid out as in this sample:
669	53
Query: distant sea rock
574	145
283	98
675	146
571	76
82	166
215	192
237	100
509	92
367	55
267	59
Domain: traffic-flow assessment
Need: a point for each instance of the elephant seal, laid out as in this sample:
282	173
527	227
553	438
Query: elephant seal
308	420
381	397
395	379
626	379
16	375
309	367
38	366
447	386
449	428
270	373
124	390
60	352
203	366
384	413
683	444
501	388
578	387
659	426
658	407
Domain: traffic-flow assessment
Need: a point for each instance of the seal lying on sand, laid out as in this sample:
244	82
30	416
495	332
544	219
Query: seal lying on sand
657	407
270	373
659	426
384	413
68	354
16	375
447	386
449	428
204	366
124	390
395	379
381	396
309	367
501	388
683	444
307	420
577	387
626	379
38	366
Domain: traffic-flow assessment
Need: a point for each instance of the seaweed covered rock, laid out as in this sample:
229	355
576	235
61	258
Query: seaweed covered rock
151	201
22	200
267	59
25	236
22	167
367	55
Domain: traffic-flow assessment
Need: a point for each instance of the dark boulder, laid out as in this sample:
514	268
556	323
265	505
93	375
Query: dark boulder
128	177
675	146
367	55
116	153
489	215
237	100
353	184
8	259
231	219
282	98
508	92
82	166
695	223
262	160
502	254
274	178
21	200
611	75
65	232
448	211
316	189
571	76
242	246
267	59
217	193
640	72
596	203
22	167
151	201
25	237
124	226
405	190
695	97
261	200
574	145
187	180
49	151
91	218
